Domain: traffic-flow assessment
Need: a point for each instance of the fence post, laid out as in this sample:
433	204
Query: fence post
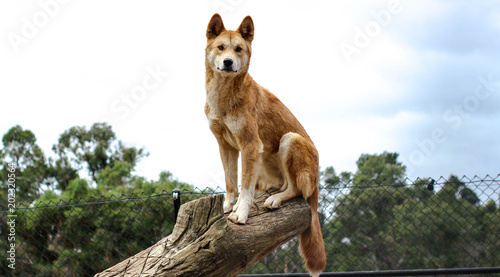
176	195
430	186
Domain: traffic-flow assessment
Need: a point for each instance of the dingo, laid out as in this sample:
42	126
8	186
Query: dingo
276	151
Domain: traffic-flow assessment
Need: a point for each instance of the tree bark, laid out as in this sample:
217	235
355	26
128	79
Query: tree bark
204	243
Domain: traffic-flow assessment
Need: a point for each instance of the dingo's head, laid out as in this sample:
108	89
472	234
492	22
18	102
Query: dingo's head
228	52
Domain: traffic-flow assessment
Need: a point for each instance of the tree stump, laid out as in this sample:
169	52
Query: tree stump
205	243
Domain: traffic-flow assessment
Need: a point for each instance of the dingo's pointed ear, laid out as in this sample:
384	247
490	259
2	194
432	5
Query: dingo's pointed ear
246	28
215	27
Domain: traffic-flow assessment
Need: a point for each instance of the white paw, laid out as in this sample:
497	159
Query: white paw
238	218
241	208
273	202
235	207
227	206
229	203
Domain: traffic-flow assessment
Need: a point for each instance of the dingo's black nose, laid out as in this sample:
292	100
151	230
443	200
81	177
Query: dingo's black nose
228	62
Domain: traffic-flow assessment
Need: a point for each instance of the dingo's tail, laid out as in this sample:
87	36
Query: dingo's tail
312	247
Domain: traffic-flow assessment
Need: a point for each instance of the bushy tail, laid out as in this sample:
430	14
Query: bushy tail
312	246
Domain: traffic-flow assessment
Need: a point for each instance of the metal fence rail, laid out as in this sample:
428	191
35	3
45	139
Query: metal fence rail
421	227
483	271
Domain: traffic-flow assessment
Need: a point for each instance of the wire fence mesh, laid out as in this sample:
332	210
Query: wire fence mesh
421	224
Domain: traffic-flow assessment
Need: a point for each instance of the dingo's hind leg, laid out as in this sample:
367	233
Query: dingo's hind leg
299	163
274	201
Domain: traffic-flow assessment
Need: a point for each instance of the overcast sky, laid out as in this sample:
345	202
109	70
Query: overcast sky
421	78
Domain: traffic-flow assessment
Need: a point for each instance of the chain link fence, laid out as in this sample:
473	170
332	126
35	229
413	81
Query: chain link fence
422	224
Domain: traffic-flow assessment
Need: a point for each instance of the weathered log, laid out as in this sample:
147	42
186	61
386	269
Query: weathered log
204	243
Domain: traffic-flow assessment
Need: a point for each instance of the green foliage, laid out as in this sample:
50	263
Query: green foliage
20	149
61	173
77	189
383	169
95	149
364	215
59	235
89	147
443	227
86	239
382	223
330	179
115	176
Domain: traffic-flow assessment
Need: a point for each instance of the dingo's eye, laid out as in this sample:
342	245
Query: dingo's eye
238	49
221	47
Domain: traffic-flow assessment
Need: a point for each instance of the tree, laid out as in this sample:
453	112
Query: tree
442	229
86	239
379	222
334	186
490	228
61	173
117	175
21	149
456	189
363	215
77	189
383	169
82	239
95	149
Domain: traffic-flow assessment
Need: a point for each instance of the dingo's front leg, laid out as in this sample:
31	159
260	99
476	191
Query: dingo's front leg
250	157
229	157
241	209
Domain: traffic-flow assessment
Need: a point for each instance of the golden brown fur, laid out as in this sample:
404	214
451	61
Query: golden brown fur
276	151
